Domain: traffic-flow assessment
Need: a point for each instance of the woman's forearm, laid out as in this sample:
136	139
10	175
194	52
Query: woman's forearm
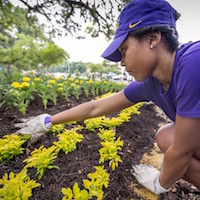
174	167
111	104
77	113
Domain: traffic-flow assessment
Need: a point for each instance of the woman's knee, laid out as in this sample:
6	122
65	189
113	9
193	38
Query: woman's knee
165	136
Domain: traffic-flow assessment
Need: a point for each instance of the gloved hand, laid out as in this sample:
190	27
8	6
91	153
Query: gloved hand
37	127
148	176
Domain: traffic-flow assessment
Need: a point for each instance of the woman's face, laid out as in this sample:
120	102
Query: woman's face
137	57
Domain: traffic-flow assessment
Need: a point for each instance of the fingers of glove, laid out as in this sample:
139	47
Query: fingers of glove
142	168
23	131
144	173
23	122
20	125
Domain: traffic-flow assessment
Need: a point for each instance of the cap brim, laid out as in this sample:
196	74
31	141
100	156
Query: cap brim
112	53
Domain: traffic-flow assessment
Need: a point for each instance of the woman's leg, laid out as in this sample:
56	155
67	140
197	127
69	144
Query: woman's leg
165	138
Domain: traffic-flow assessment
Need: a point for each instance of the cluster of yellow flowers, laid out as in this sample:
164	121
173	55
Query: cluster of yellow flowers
52	81
36	79
24	84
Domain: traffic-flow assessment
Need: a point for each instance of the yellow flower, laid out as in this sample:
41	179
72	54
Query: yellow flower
25	84
61	77
16	85
26	79
60	89
91	81
96	82
60	84
76	81
52	82
70	79
36	79
72	84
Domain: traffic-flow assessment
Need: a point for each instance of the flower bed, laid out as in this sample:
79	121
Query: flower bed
72	169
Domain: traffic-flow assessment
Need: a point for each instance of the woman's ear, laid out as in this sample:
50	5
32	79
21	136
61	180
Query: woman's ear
154	39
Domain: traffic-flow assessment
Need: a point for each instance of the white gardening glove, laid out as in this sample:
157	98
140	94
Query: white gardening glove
148	176
36	127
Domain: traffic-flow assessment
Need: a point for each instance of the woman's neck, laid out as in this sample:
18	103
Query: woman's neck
165	67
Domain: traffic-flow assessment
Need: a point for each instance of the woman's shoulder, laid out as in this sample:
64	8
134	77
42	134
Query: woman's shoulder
188	48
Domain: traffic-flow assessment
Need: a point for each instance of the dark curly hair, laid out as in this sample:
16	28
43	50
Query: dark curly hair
169	34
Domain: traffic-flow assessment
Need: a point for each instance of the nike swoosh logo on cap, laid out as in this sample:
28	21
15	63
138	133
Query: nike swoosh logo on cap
133	25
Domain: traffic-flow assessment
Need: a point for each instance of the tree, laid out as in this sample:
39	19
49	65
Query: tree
77	66
23	54
105	67
52	55
110	67
23	41
67	14
95	68
13	21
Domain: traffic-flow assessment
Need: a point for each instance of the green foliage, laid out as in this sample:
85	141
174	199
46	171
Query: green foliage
77	66
71	15
93	186
112	122
42	88
52	55
97	181
77	193
20	94
94	123
42	159
10	146
68	140
57	128
106	135
109	152
95	68
23	42
17	187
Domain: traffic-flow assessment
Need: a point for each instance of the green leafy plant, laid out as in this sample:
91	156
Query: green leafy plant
112	122
42	159
66	92
93	123
21	95
68	140
85	85
77	193
10	146
53	88
57	129
17	187
106	135
96	182
93	186
77	91
92	87
109	152
96	84
43	90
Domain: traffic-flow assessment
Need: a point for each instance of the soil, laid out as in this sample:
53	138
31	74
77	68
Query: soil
138	136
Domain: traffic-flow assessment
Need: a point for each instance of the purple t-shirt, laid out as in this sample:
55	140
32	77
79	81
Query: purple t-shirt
183	94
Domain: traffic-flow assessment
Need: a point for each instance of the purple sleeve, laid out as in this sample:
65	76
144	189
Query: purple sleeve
136	91
188	85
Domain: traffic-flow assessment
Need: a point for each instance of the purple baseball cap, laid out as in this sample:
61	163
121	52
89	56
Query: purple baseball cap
139	14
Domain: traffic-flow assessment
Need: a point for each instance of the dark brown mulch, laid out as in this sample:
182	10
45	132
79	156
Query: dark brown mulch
138	136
